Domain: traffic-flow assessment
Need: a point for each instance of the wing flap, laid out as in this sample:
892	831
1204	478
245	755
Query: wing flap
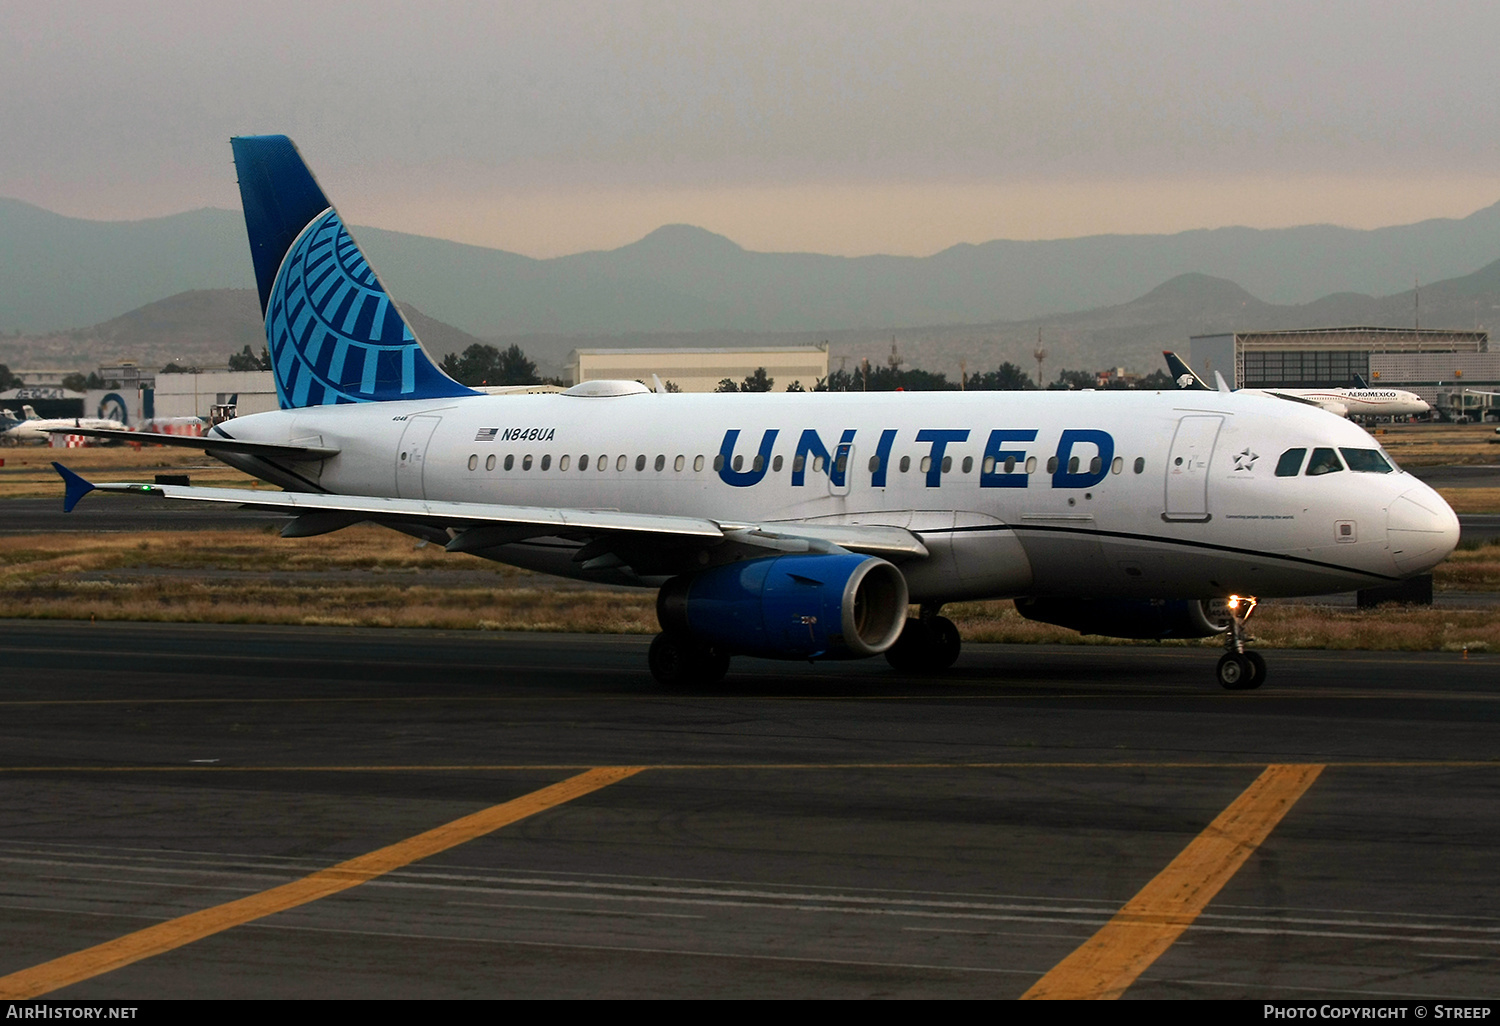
456	514
478	526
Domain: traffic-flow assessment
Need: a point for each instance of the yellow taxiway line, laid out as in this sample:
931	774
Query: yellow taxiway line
1110	960
154	940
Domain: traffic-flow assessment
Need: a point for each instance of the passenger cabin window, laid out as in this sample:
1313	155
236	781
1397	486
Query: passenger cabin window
474	462
1140	464
1290	462
1324	461
1367	461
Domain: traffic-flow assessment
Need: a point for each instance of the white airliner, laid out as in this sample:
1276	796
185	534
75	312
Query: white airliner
34	430
1346	402
801	526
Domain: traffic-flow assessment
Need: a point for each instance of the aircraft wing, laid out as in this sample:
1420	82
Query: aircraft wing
649	542
1306	401
205	442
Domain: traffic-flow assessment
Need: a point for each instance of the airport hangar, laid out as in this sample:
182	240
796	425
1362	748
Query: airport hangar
701	370
1438	364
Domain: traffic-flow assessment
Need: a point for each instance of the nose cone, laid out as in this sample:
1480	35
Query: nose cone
1422	530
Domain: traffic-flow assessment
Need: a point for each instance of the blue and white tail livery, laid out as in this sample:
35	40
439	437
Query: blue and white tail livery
333	334
802	526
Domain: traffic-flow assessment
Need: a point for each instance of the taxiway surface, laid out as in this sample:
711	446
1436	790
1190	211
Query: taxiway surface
830	830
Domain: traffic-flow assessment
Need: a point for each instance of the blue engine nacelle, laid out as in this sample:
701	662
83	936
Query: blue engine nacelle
834	606
1129	618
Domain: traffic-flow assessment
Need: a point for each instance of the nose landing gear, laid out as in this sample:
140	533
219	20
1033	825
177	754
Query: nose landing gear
1238	669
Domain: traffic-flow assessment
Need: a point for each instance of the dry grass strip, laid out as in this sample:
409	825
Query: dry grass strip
376	578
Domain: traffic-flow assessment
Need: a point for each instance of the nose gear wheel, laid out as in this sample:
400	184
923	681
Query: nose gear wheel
1239	669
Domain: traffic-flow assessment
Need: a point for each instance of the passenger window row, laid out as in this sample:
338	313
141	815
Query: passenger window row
924	465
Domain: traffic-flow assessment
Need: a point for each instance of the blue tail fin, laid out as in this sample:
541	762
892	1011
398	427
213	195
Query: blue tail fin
333	334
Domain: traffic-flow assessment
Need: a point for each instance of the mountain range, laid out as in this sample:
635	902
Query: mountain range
60	274
203	327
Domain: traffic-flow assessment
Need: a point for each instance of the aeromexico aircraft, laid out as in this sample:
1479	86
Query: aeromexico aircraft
35	430
1359	401
804	525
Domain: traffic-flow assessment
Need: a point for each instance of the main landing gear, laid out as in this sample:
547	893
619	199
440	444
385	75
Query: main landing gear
929	642
1240	670
678	660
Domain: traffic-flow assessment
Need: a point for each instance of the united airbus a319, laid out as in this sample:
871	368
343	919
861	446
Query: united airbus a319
802	525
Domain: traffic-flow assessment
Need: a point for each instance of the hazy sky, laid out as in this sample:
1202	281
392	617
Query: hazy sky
548	128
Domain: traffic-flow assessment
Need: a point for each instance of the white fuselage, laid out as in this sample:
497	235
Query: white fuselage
1359	402
1183	501
38	431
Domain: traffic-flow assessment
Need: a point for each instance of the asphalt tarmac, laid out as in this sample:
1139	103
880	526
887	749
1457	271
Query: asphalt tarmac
837	830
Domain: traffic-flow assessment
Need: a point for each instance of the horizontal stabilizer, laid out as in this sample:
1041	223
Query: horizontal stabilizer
207	443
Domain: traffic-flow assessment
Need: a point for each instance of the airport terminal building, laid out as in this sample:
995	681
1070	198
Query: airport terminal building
1440	365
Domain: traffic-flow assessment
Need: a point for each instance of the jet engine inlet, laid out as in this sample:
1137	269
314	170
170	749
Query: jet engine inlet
836	606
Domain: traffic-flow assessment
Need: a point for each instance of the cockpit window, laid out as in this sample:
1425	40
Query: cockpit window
1290	462
1367	461
1324	461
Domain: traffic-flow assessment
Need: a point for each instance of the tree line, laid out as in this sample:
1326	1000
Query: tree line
1008	377
482	364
